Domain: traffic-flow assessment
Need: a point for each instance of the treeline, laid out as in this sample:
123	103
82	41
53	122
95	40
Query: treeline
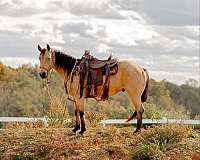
24	93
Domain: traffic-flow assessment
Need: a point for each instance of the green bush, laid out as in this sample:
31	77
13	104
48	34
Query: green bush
165	134
157	140
151	111
148	152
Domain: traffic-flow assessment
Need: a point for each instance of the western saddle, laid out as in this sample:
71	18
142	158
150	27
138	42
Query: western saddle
93	73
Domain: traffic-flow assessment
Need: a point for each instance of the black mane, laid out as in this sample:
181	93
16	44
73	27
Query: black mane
64	61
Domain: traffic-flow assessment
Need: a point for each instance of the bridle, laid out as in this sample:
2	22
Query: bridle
52	58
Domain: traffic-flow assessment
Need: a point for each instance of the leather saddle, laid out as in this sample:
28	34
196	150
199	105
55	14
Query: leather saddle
97	63
94	72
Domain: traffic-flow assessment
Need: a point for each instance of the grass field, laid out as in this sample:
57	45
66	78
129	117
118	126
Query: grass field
170	142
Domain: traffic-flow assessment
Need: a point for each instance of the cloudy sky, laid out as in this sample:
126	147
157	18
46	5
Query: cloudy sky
162	36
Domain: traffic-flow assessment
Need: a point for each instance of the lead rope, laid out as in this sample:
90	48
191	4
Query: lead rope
48	80
49	88
50	96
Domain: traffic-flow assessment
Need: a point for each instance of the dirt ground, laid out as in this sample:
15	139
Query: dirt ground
98	143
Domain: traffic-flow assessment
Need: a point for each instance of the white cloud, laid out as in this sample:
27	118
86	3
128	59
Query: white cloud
163	42
102	48
175	77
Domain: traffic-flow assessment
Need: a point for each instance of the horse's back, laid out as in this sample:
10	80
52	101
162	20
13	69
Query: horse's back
130	77
131	69
130	65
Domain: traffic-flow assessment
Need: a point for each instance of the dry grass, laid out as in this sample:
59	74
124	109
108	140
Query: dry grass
159	142
94	118
57	111
156	141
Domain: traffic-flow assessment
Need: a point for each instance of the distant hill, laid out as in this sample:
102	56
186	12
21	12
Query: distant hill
186	95
23	93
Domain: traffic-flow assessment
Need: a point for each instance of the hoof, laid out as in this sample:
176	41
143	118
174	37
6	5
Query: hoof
77	127
137	131
145	127
74	130
82	131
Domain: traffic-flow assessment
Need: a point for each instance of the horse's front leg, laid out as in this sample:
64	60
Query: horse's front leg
76	111
77	115
83	129
81	104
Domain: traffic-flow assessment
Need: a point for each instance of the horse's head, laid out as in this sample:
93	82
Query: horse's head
46	61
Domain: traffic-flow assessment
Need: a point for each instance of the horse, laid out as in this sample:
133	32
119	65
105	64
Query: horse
130	77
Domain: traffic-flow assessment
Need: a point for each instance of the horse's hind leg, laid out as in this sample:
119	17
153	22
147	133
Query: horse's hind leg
138	112
139	119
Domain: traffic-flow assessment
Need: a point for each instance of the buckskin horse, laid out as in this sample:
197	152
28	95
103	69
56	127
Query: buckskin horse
130	77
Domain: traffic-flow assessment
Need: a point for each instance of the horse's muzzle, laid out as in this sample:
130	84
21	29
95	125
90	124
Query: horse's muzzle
43	75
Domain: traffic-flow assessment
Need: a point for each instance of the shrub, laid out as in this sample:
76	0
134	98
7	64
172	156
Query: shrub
148	152
165	134
155	141
151	111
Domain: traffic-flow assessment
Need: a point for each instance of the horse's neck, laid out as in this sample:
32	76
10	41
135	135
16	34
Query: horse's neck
63	64
63	73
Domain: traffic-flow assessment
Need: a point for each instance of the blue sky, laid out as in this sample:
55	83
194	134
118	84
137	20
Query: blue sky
162	36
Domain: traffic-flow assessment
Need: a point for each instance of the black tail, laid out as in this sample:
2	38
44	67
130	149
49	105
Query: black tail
144	94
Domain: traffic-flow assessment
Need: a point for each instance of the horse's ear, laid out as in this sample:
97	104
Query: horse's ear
39	48
48	47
